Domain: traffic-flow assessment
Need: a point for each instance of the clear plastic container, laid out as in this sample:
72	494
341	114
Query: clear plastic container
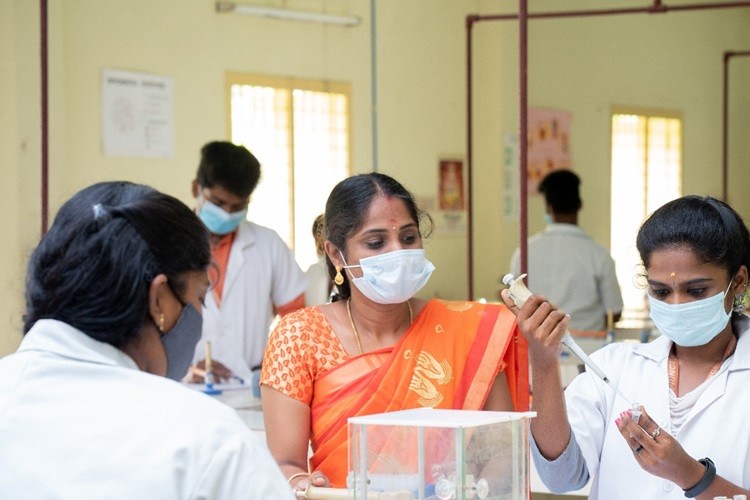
426	454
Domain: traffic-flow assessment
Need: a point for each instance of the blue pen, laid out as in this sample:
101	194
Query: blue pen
208	378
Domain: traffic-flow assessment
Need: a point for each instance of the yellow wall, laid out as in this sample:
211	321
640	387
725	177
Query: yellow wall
19	153
586	66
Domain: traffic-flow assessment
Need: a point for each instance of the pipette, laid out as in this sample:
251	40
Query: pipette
519	293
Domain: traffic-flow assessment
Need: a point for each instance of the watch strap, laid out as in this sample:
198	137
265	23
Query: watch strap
705	481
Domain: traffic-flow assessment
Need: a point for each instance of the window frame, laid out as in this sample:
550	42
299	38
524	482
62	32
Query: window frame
290	84
648	113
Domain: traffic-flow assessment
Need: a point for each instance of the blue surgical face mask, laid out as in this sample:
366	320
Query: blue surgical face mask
393	277
179	342
690	324
218	220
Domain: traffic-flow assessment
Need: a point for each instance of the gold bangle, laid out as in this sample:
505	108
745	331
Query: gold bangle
295	476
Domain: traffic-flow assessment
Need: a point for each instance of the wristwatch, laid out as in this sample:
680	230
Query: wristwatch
705	481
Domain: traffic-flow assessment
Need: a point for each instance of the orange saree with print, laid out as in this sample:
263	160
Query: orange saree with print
448	358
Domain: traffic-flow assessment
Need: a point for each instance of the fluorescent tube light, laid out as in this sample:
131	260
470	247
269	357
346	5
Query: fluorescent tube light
294	15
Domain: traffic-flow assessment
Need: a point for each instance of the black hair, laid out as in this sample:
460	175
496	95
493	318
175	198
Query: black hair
93	269
560	189
347	207
711	228
112	193
319	232
229	166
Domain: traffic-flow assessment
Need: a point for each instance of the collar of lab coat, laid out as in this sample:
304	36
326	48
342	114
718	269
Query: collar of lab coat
245	234
59	338
244	238
565	228
658	350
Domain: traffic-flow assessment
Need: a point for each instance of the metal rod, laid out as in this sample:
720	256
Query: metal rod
523	135
44	69
656	8
374	86
725	125
725	129
469	165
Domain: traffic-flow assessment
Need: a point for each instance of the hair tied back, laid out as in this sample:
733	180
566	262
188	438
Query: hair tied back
731	224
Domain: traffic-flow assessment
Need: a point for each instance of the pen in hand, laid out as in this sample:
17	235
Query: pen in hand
208	373
199	372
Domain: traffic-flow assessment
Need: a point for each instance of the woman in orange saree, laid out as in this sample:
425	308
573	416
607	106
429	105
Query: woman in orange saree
380	349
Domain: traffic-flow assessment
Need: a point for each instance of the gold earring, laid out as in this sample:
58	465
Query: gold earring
161	322
339	278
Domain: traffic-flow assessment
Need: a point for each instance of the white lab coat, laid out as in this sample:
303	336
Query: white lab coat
574	272
78	420
261	273
718	426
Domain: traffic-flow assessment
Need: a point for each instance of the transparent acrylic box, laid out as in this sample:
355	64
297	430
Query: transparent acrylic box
425	454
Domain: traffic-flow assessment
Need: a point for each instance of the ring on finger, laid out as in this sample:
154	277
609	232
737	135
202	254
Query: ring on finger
656	433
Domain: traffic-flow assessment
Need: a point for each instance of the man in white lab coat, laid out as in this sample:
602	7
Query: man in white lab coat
565	264
257	276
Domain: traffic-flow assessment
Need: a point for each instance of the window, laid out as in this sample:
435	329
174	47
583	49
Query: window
299	131
646	173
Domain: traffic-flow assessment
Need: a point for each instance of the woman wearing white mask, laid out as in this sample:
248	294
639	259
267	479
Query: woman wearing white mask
378	348
692	437
113	308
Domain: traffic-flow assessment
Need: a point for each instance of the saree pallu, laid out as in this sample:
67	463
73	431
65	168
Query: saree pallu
448	358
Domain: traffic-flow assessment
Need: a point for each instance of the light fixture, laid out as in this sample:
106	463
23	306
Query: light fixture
294	15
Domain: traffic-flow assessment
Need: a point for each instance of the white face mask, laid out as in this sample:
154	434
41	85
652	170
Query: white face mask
393	277
693	323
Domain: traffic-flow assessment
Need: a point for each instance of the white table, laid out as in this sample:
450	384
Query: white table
241	398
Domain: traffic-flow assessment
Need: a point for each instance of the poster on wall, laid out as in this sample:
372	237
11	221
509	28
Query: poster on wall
511	159
549	144
137	114
451	197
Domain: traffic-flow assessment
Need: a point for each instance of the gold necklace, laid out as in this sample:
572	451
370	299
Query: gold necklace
354	327
673	365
